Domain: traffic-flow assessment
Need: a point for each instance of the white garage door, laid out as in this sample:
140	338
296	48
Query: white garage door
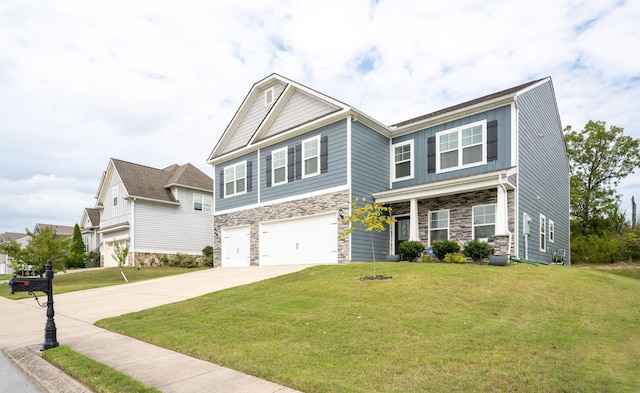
236	245
311	239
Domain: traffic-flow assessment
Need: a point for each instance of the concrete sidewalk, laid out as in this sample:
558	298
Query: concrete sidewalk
22	326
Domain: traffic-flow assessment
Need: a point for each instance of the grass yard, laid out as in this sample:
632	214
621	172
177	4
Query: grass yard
433	327
81	280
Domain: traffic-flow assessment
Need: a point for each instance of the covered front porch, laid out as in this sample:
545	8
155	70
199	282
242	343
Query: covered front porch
474	207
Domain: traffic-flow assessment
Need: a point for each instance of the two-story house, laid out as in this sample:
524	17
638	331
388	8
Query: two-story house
5	260
89	226
156	212
292	159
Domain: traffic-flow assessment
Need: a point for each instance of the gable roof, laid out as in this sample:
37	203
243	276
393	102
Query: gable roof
293	107
7	236
151	183
467	104
59	230
92	215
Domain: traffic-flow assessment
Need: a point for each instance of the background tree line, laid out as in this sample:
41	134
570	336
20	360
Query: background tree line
599	159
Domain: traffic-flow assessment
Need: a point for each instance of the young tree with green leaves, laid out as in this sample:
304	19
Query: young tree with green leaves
370	217
599	159
42	247
121	253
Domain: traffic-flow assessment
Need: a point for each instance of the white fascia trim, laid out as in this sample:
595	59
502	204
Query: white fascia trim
446	187
114	229
150	200
284	200
533	86
446	117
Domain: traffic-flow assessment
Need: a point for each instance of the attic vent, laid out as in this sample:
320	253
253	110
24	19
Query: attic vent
268	97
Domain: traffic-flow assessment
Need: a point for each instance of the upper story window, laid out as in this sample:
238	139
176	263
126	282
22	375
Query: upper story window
279	162
268	96
543	234
235	179
114	196
402	160
311	157
461	147
202	202
438	225
484	221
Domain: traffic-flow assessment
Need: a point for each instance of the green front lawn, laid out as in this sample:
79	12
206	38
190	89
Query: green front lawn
433	327
78	281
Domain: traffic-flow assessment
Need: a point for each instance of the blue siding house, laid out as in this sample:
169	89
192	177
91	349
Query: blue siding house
292	159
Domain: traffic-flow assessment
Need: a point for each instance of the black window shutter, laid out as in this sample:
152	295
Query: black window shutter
492	140
298	161
249	177
221	183
431	154
268	165
324	154
290	164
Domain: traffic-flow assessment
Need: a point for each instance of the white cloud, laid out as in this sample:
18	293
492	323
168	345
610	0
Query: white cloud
156	82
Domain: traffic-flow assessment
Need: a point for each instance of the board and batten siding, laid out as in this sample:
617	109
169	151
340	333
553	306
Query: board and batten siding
169	229
502	115
543	172
370	172
236	201
119	214
335	176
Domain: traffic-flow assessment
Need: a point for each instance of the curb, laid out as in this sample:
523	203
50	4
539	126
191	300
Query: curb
48	376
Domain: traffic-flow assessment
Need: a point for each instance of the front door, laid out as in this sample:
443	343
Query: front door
401	232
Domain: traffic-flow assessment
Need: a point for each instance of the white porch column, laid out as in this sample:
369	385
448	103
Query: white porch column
414	233
501	212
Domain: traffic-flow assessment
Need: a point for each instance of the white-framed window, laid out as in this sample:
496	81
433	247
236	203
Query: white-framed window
235	179
202	202
438	225
543	234
268	96
279	166
484	221
311	157
85	241
114	195
552	231
402	159
461	147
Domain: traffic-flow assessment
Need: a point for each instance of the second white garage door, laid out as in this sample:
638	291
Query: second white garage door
310	239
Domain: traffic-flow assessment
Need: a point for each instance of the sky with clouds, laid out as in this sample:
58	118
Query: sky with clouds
156	82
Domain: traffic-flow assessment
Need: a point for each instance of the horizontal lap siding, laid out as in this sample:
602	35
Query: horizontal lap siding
502	115
248	198
369	174
543	171
162	228
335	176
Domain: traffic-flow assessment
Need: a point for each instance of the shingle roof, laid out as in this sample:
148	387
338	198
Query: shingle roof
11	236
151	183
94	216
60	230
489	97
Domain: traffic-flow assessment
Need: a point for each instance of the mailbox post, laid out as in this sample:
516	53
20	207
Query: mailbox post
41	284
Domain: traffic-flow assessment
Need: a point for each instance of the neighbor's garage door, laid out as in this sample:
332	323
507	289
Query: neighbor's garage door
311	239
236	245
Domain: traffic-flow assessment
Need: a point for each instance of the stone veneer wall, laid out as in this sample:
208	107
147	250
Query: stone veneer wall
152	259
299	208
460	216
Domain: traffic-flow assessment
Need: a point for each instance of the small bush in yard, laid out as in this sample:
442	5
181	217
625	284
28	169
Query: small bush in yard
427	259
454	257
444	247
183	260
476	250
410	249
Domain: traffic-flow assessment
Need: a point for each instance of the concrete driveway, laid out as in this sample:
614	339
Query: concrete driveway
22	325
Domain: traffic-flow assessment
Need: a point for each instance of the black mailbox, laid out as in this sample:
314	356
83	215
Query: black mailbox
28	284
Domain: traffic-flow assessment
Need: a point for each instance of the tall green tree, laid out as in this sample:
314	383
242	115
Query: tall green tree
43	246
77	254
599	159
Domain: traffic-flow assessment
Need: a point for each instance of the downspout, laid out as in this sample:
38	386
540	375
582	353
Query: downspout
132	227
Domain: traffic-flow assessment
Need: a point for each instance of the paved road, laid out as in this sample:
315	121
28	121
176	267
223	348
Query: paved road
13	380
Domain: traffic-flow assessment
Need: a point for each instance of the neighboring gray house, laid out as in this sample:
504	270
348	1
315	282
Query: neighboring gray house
494	168
89	226
157	212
